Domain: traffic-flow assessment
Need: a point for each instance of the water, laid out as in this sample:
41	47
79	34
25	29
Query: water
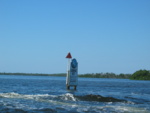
48	94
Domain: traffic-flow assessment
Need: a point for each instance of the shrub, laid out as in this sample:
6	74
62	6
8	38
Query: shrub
141	75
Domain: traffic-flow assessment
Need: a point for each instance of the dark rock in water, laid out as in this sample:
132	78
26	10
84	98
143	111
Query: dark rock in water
98	98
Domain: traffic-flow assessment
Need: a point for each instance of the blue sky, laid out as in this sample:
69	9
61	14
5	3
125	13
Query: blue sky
103	35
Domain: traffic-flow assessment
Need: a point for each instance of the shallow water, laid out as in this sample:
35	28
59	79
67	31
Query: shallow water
48	94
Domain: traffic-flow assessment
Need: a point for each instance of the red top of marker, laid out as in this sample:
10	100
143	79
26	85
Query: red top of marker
69	55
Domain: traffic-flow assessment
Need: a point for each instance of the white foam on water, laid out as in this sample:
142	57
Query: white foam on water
16	95
9	95
53	99
130	109
66	101
68	96
38	97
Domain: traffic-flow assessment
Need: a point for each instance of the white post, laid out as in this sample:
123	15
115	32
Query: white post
68	71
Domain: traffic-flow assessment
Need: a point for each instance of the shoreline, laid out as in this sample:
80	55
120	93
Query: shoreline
33	74
96	75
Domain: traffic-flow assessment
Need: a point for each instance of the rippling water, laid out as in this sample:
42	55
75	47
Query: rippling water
48	94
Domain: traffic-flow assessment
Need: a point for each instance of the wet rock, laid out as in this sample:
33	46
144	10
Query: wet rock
98	98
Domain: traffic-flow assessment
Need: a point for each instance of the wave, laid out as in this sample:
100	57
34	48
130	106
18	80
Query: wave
64	97
22	103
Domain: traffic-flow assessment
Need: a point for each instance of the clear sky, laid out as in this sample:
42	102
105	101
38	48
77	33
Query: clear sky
103	35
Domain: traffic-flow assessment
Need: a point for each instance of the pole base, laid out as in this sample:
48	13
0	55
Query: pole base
75	87
68	87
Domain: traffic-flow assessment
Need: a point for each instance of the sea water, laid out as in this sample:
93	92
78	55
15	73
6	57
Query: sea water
48	94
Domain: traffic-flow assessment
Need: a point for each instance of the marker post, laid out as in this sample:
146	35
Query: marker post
72	72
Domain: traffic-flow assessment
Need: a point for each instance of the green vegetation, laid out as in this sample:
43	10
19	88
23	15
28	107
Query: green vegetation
141	75
106	75
96	75
138	75
34	74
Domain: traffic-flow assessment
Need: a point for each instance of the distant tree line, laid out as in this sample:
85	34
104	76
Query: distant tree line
106	75
138	75
93	75
33	74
